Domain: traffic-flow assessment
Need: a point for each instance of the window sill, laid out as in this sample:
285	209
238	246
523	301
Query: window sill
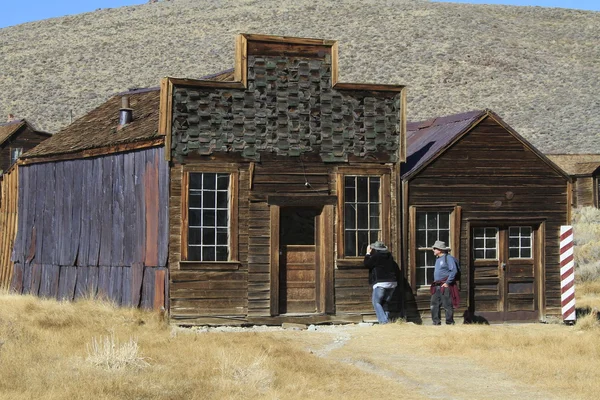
350	263
217	265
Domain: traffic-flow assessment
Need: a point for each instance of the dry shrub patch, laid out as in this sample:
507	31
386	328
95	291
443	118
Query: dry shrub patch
85	350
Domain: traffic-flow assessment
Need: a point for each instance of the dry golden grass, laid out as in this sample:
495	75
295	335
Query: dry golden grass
47	346
90	350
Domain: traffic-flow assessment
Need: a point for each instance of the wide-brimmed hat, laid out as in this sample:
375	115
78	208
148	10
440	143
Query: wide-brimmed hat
379	246
440	245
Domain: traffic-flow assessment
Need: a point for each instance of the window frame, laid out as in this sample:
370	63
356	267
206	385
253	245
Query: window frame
233	211
12	159
454	233
384	174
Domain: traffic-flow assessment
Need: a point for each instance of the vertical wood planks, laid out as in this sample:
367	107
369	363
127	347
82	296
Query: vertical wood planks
107	212
151	198
163	211
8	226
95	212
118	220
138	249
75	212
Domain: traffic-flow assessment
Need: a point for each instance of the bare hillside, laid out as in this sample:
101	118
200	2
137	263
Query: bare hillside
538	68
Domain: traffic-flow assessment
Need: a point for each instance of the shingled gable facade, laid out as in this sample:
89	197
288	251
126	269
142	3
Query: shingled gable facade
279	181
474	182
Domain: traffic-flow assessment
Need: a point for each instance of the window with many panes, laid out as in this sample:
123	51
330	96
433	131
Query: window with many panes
208	208
520	239
362	213
431	226
485	243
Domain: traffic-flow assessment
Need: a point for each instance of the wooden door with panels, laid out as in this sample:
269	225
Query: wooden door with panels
298	262
505	271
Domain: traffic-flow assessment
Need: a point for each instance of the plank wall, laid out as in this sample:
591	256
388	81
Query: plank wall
94	227
26	138
8	223
480	173
239	291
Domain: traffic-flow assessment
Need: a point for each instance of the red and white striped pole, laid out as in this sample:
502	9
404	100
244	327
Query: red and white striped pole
567	274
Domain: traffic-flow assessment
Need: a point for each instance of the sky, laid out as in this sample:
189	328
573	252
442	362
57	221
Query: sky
14	12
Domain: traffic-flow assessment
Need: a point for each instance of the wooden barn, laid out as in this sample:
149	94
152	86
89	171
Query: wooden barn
472	181
16	137
584	170
279	181
93	203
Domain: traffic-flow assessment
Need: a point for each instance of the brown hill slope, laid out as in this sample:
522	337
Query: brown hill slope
538	68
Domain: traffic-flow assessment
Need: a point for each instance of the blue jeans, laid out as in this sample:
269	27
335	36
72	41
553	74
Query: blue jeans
381	298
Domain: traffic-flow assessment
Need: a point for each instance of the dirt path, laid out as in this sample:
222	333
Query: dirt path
454	378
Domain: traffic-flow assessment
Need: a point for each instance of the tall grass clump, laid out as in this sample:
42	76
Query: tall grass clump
109	354
586	227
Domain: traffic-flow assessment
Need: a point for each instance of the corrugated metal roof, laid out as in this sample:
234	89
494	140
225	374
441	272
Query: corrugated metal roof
425	139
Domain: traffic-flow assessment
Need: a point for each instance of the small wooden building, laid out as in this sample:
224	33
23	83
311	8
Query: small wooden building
279	181
16	137
473	182
93	203
584	170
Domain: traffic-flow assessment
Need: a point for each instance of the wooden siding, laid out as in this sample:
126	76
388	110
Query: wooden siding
101	221
8	223
584	191
208	293
26	138
247	290
492	175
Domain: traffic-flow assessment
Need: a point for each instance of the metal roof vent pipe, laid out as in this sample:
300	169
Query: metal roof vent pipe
125	113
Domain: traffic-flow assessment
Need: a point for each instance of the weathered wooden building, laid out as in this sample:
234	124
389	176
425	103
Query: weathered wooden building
16	137
279	181
473	182
584	170
250	197
93	202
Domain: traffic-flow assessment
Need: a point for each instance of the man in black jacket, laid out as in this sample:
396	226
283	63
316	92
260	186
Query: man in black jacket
383	276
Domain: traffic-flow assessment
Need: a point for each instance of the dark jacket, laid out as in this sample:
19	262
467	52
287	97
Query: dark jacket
382	267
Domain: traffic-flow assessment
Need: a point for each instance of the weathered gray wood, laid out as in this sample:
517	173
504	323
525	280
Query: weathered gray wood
163	221
61	228
39	211
107	212
137	278
67	281
151	198
138	249
147	300
92	281
115	284
118	219
76	206
81	285
16	284
126	294
26	278
86	213
48	235
103	282
36	278
95	219
129	229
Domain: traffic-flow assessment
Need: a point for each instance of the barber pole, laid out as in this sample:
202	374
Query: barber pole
567	274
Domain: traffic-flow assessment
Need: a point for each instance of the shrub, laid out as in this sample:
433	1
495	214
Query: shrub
108	354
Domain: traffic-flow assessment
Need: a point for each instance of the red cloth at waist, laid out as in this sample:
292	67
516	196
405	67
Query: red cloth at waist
454	293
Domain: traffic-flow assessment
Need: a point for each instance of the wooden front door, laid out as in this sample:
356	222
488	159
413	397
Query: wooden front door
503	278
298	263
